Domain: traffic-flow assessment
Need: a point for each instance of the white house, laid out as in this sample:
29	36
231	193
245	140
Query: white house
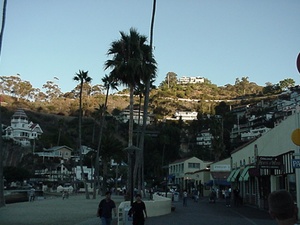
88	172
21	131
185	115
190	80
61	152
253	133
204	138
183	169
137	117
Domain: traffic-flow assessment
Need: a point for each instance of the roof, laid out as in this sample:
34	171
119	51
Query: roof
20	113
182	160
56	148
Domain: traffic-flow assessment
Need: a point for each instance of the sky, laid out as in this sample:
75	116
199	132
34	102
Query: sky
215	39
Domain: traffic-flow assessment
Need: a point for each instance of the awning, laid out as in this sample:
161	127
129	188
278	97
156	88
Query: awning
230	175
245	174
236	173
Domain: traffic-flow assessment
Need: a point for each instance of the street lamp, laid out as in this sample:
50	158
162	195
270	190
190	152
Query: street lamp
131	150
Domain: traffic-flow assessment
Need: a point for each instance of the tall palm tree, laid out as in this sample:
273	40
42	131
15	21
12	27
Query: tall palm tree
126	66
109	82
82	77
2	200
147	79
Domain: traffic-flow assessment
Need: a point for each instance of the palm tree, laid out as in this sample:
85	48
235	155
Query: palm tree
82	77
2	200
150	74
126	66
109	82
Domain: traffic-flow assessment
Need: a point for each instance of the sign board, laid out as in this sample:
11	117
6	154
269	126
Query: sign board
296	163
269	162
221	168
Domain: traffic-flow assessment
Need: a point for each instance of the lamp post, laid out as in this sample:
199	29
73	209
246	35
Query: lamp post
131	150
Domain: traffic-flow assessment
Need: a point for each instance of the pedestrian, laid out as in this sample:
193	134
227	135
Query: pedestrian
212	196
236	197
282	207
151	193
185	195
138	211
31	194
105	209
227	197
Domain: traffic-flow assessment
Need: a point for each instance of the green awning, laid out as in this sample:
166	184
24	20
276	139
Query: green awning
236	173
246	177
230	175
245	174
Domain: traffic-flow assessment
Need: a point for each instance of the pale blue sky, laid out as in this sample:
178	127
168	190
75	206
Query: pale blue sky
216	39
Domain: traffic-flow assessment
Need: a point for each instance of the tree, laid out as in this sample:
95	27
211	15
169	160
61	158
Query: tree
82	77
286	83
52	90
127	66
149	70
170	80
109	82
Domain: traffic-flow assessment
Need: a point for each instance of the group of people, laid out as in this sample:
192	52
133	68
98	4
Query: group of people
282	208
137	211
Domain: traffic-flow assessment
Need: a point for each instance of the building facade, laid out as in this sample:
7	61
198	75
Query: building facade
187	173
266	164
21	130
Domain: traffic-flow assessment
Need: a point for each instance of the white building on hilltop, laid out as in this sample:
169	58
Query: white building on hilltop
190	80
21	131
184	115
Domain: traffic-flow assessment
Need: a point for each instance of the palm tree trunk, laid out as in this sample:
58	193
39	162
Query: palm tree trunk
80	145
102	119
130	137
146	102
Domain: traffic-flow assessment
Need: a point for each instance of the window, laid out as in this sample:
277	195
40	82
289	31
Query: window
194	165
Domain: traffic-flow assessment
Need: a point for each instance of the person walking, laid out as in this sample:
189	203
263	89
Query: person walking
185	195
236	197
138	211
227	194
282	207
105	208
31	194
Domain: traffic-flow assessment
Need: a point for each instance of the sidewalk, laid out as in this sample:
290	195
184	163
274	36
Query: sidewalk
53	210
80	211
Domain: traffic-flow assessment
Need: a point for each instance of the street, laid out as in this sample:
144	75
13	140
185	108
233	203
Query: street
204	213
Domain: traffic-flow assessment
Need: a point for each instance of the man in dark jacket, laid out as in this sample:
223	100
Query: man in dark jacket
105	209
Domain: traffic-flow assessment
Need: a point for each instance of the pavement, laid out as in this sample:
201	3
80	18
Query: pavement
77	210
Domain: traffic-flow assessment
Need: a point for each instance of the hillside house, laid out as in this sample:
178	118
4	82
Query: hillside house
21	130
190	80
185	115
204	138
60	152
137	117
54	172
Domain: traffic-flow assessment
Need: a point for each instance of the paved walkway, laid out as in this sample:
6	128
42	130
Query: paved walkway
79	211
76	210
